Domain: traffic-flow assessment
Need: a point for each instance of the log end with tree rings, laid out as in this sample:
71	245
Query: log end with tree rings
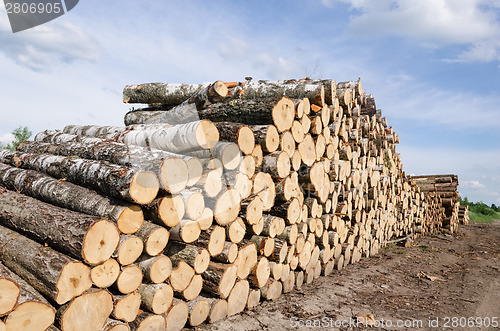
73	280
105	274
227	207
100	241
156	241
195	170
207	134
129	249
177	315
272	141
171	210
10	294
144	187
174	174
246	140
130	220
30	315
129	279
219	88
283	114
87	312
218	311
199	312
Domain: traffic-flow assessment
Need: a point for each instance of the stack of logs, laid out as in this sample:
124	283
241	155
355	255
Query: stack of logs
463	214
215	197
441	192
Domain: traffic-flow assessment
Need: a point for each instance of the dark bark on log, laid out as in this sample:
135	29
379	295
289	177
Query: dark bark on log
166	165
160	93
81	236
64	194
113	180
55	275
279	112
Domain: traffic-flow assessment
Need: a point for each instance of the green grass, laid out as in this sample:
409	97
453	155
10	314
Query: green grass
481	218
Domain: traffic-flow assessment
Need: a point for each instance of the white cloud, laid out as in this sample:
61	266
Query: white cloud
473	184
434	23
327	3
46	46
6	138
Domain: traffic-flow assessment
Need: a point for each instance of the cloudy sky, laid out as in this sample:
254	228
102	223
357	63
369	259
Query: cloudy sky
432	65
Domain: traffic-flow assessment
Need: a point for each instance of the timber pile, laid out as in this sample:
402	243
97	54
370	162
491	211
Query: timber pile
215	197
463	214
442	189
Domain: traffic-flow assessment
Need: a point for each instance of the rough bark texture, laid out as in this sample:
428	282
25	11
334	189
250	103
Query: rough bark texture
42	267
219	279
237	133
113	180
160	93
64	194
82	236
290	88
279	112
166	165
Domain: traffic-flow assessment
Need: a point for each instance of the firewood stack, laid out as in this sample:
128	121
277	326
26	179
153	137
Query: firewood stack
463	214
211	199
442	189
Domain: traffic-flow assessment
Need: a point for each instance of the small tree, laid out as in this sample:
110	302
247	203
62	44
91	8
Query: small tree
20	134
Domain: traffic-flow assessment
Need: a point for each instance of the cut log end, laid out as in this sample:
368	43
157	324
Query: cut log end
100	242
227	207
130	220
237	300
207	134
130	249
174	174
283	114
246	140
30	315
195	170
73	280
105	274
177	316
10	292
171	210
144	187
157	241
88	312
199	313
129	279
127	308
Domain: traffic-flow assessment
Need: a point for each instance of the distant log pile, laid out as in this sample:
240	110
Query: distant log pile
442	196
215	197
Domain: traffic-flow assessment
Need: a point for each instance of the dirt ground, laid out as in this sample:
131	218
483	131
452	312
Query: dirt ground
440	282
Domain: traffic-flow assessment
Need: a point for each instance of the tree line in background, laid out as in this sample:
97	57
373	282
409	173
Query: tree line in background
20	134
480	207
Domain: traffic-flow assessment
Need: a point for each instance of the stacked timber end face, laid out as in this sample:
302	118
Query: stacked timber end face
210	200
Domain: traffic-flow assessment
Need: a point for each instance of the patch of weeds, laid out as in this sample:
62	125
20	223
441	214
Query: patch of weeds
425	248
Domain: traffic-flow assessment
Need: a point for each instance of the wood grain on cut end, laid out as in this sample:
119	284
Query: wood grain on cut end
174	174
130	220
10	292
207	134
171	209
237	300
87	312
105	274
30	315
283	114
127	306
73	280
177	316
129	279
144	187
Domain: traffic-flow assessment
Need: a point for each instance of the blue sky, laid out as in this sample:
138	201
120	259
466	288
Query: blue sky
433	66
